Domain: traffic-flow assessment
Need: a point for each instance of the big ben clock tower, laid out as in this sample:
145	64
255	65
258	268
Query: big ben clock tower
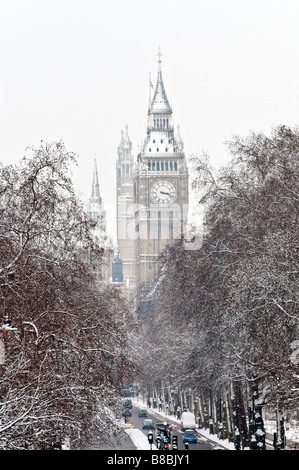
160	188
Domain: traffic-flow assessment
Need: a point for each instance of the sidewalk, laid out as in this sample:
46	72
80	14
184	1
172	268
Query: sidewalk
292	433
203	432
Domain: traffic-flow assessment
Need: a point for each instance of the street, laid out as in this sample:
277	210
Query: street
202	442
135	423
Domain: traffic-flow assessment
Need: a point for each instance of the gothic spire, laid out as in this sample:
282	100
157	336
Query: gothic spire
179	140
95	190
94	205
127	138
121	139
160	103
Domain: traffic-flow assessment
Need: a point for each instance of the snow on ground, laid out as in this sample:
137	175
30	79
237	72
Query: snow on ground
137	401
139	439
291	430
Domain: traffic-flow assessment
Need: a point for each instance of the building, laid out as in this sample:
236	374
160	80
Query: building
117	268
95	208
152	194
126	255
97	216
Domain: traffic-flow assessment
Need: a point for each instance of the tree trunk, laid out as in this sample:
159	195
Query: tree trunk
257	424
280	444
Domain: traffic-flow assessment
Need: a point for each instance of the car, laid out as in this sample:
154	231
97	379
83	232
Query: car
142	414
190	436
128	404
148	424
163	427
126	412
187	420
126	393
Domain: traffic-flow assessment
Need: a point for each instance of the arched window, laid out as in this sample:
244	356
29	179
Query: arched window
175	166
171	166
162	166
158	166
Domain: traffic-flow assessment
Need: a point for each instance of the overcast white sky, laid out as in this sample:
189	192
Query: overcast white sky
78	71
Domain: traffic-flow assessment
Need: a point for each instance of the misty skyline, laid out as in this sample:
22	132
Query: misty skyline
78	71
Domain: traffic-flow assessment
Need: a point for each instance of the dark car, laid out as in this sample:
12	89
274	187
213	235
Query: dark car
142	414
148	424
163	427
128	404
126	412
126	393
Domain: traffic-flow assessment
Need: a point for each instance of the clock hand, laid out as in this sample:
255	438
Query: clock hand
162	192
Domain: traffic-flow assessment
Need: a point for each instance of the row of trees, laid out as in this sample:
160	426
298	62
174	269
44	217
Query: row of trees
223	320
62	340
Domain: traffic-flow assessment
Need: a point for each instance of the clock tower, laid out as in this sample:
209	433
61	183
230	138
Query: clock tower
160	188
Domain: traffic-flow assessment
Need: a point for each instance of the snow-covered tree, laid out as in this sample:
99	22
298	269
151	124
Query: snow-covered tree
64	339
227	314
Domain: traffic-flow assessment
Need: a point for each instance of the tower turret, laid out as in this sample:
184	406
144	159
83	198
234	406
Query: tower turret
125	213
95	207
152	194
161	187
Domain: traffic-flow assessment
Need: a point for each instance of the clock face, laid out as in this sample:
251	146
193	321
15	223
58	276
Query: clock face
163	193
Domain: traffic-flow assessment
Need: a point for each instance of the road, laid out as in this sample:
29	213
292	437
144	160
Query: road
127	445
202	442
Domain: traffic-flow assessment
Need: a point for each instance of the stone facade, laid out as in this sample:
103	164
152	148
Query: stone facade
152	195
